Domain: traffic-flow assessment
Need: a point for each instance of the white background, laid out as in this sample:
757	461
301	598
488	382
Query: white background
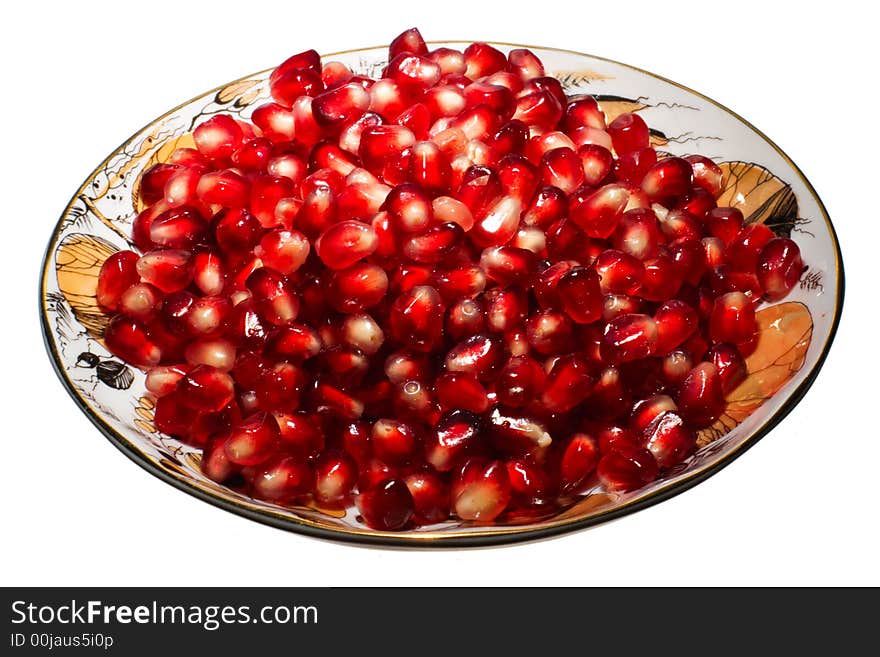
78	78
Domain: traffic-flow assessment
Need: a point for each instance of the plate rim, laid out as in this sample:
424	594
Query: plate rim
492	536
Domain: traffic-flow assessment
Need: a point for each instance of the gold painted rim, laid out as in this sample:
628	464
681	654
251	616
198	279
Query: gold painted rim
440	538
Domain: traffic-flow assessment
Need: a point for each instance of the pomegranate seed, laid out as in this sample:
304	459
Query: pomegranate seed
169	270
215	352
356	288
707	174
282	479
745	250
596	163
435	244
336	474
568	384
676	321
416	318
670	177
562	168
676	365
499	223
529	484
520	381
130	340
725	224
118	273
779	267
578	462
583	111
218	137
447	209
381	144
619	272
626	468
599	213
507	264
224	187
206	388
669	440
549	332
343	244
274	299
480	490
540	110
730	364
465	318
629	132
700	397
462	281
630	337
662	279
455	435
580	295
461	390
295	341
479	355
732	319
506	308
362	332
430	495
341	104
516	433
387	505
253	440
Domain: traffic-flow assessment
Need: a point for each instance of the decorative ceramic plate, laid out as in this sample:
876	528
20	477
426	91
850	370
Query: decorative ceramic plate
759	178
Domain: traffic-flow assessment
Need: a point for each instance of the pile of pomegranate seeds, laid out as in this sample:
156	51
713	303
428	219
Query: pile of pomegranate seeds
450	292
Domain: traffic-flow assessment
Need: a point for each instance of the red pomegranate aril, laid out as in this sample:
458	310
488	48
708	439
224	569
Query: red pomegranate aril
669	439
630	337
344	103
394	442
299	434
707	174
173	416
562	168
118	273
549	332
730	364
580	295
282	479
724	223
356	288
130	340
408	41
621	304
430	495
638	234
498	224
218	137
463	281
520	381
343	244
265	195
336	474
215	352
480	490
648	409
599	213
732	318
681	225
215	465
167	269
688	260
481	60
435	244
253	440
224	187
676	321
416	318
619	272
288	84
662	279
275	300
152	182
505	308
297	341
461	390
700	397
539	110
362	332
478	354
208	273
578	462
410	207
779	267
676	366
162	379
669	178
583	111
407	276
455	435
412	70
465	318
745	250
206	388
568	384
498	98
596	163
546	284
253	155
207	316
631	167
387	505
626	468
181	187
507	264
530	485
629	132
279	387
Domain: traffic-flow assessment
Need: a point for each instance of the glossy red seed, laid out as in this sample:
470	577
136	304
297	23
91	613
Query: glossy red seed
435	244
118	273
455	436
356	288
520	381
387	505
700	397
206	388
336	475
732	319
464	318
670	177
545	287
218	137
779	267
562	168
630	337
568	384
707	174
251	442
478	354
461	390
549	332
515	432
540	110
343	244
676	321
480	490
600	212
629	132
626	468
580	295
430	495
578	462
282	479
416	318
730	364
669	439
130	340
530	486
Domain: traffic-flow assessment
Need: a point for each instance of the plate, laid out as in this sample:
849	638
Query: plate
759	179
